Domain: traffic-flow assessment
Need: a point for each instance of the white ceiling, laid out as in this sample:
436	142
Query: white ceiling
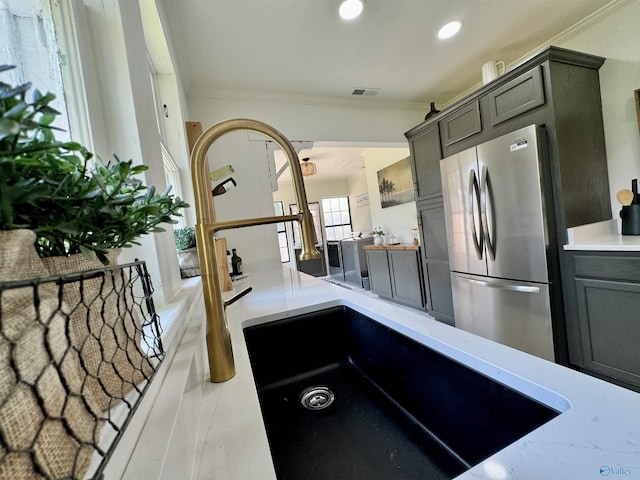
302	49
331	162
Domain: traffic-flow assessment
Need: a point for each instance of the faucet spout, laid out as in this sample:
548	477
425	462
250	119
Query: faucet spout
218	338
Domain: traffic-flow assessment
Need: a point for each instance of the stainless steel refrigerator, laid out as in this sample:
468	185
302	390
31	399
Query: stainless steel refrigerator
498	239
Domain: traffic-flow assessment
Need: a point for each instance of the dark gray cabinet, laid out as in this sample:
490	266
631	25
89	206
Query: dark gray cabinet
435	261
354	262
406	284
559	90
379	276
606	339
426	152
426	155
395	274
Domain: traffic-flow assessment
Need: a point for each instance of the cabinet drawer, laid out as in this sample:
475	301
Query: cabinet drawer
461	124
618	267
520	95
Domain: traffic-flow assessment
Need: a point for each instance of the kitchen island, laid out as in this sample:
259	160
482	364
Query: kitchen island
195	429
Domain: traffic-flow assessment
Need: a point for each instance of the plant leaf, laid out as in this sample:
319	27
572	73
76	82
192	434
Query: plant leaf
8	128
16	109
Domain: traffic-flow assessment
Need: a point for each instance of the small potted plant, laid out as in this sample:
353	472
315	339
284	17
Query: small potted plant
378	236
188	260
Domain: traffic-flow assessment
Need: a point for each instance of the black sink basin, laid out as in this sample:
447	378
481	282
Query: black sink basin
345	397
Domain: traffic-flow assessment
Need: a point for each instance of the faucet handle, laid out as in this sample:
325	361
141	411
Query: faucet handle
236	297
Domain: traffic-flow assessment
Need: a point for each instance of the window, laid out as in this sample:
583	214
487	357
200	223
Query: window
171	170
28	41
314	208
172	178
337	217
283	242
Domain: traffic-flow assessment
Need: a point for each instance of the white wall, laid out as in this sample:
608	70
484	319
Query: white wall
360	215
316	191
298	122
617	38
397	220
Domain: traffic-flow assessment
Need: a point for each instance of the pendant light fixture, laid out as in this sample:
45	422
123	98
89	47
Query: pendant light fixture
350	9
308	168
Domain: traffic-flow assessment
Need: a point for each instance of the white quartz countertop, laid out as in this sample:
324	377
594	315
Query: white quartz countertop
602	236
596	435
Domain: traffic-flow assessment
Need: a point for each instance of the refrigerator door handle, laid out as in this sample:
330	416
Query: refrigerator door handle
474	197
486	201
512	287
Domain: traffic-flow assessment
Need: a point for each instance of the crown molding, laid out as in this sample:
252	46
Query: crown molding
314	100
579	27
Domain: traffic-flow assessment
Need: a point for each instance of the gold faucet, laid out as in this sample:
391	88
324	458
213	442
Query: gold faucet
221	364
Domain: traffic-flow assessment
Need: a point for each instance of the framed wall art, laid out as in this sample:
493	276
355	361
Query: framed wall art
395	184
362	200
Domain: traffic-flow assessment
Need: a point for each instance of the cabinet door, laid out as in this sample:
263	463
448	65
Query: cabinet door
516	97
433	231
425	163
609	327
461	124
406	277
440	295
379	277
349	262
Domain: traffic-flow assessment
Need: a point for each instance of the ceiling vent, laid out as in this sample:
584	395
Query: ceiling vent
361	92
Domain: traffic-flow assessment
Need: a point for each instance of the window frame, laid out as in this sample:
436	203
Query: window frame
331	227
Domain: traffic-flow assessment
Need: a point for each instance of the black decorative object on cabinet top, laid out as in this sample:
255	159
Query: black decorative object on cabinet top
433	112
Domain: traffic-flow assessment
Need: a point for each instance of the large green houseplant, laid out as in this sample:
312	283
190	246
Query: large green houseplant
72	201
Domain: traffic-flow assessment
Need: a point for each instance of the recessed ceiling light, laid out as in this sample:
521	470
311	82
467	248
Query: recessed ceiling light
448	30
350	9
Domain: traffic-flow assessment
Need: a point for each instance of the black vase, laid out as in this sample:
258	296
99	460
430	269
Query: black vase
630	215
432	112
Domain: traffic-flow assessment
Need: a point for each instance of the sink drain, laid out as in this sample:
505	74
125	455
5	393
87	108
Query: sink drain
317	398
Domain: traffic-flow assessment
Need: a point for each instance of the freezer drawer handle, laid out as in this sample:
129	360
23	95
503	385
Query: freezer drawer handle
474	194
503	286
